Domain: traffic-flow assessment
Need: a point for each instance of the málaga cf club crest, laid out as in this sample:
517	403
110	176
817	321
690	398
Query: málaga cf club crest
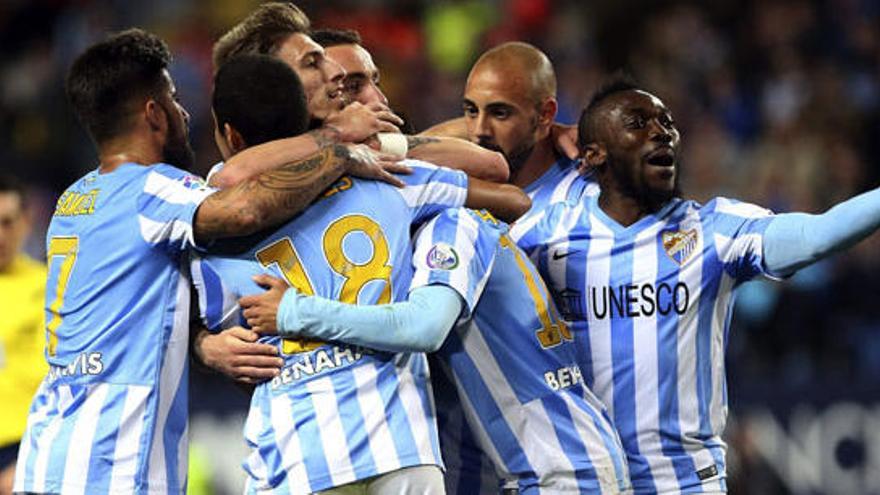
680	245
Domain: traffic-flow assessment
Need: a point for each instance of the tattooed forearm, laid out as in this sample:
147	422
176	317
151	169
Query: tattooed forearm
326	135
271	197
416	141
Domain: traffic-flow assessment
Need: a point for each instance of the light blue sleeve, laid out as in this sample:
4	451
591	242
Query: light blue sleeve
419	324
795	240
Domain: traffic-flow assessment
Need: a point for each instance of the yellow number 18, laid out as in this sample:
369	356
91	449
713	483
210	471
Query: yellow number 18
283	253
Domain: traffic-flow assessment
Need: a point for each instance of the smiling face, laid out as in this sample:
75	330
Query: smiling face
635	147
361	81
321	77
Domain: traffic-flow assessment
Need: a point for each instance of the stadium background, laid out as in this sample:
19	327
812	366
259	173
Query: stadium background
777	102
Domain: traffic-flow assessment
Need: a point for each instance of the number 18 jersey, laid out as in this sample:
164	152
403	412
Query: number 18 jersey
337	413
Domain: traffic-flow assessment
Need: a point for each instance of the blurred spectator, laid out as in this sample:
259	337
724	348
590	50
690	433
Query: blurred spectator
22	338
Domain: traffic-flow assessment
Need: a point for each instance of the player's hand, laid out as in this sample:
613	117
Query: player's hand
261	310
564	138
236	353
367	163
356	122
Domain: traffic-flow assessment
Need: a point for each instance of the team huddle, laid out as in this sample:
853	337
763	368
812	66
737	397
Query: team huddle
571	305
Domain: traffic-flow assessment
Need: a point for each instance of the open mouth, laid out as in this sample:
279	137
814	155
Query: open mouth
663	157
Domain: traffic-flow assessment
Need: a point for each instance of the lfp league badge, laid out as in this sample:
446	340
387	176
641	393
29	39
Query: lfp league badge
442	256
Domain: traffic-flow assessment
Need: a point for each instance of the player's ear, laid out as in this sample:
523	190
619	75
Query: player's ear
155	115
547	111
594	155
233	138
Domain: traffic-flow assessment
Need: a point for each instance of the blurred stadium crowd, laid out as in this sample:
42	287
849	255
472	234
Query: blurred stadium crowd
778	102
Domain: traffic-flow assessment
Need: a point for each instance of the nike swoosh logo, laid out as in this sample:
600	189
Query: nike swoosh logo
557	255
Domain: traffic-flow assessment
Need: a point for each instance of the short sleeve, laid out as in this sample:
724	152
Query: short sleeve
167	206
457	249
431	189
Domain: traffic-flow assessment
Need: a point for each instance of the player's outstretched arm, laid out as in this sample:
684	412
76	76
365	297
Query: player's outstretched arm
795	240
505	201
277	195
419	324
353	124
460	154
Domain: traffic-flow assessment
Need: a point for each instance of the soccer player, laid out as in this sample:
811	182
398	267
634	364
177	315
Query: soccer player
647	279
361	84
478	302
336	415
509	105
22	285
281	29
110	416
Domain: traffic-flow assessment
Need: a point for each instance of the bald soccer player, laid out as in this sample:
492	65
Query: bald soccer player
509	106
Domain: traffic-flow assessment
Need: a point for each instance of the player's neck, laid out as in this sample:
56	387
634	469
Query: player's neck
623	208
117	152
542	157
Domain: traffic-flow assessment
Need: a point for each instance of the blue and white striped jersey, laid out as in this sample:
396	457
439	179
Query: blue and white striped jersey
650	306
111	416
561	182
337	413
514	363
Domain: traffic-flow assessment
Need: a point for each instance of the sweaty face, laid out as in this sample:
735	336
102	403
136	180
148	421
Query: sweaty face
320	76
500	114
177	150
13	227
642	144
361	81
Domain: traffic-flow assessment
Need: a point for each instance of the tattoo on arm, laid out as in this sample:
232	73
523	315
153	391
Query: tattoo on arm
271	197
327	135
415	141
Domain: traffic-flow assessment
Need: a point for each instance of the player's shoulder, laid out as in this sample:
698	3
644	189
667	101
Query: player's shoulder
170	172
424	171
728	206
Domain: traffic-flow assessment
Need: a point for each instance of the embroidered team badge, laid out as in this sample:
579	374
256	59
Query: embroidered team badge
680	245
193	182
442	257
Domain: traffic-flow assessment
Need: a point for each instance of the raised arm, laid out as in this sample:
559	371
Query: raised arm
271	197
505	201
795	240
353	124
419	324
474	160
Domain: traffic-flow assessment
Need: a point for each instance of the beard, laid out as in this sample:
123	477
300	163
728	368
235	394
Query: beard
177	150
651	199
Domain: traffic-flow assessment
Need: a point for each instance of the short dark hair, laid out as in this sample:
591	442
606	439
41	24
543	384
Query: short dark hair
10	184
261	97
335	37
111	75
261	32
617	84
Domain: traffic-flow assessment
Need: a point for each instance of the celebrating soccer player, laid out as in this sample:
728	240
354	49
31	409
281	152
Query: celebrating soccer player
647	279
479	302
111	414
